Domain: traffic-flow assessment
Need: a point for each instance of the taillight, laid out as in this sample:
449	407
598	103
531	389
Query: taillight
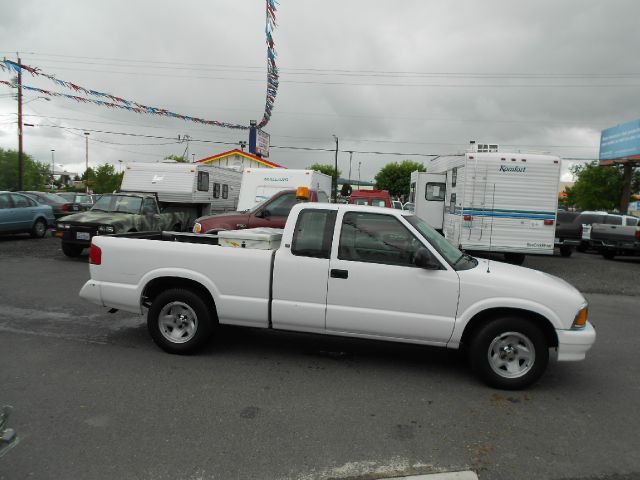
65	207
638	234
95	255
467	218
548	222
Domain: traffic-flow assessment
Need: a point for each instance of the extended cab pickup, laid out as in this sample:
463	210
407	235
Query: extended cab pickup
271	213
616	239
367	272
118	213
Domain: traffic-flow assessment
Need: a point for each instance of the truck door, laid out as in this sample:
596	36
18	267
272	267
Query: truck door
430	207
375	290
301	272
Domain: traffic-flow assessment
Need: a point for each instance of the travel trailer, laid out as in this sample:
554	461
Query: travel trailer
486	200
259	184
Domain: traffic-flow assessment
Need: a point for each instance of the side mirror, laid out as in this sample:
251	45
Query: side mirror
424	259
263	213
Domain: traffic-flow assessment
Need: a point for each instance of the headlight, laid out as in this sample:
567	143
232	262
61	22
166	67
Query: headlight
581	318
106	229
63	226
197	228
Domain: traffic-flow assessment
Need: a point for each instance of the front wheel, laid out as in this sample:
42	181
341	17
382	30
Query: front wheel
71	250
608	254
39	229
179	321
510	353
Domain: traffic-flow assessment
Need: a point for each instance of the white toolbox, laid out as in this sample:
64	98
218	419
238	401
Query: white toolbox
262	238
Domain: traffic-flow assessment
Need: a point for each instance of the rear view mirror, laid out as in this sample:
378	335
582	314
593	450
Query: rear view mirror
424	259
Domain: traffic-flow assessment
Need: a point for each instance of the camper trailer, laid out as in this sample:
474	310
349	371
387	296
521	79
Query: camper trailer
210	189
491	201
259	184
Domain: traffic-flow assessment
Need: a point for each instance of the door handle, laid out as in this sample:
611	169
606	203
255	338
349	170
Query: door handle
337	273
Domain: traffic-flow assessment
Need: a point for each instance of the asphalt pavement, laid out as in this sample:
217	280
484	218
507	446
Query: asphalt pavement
95	398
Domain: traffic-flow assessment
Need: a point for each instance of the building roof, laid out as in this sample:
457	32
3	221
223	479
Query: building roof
249	156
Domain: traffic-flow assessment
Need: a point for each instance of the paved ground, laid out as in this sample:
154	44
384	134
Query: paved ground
94	398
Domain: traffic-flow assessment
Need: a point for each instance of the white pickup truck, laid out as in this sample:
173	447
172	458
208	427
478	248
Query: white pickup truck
347	270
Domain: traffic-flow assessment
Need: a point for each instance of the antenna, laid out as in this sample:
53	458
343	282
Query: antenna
493	203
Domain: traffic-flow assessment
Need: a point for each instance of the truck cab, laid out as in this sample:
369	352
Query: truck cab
373	198
271	213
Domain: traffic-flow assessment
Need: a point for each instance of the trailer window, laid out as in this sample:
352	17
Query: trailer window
454	177
203	181
225	191
216	190
434	192
314	233
452	203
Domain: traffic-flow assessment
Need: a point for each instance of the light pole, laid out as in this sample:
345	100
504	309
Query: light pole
350	158
359	163
335	180
52	166
86	172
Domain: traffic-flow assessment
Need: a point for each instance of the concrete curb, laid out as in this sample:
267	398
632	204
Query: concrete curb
466	475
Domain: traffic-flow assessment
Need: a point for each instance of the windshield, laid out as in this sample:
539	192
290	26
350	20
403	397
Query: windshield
118	203
450	253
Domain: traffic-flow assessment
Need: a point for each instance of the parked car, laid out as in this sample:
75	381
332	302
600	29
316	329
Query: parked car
22	214
568	232
374	198
409	206
615	240
84	199
58	204
586	219
396	204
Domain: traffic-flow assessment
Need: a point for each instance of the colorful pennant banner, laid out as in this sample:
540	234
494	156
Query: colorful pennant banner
124	104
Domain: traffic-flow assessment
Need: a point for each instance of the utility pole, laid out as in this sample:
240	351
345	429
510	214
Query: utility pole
86	172
335	180
52	166
350	158
20	158
359	163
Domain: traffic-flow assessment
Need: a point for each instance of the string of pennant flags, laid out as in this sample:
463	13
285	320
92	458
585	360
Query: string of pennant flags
112	101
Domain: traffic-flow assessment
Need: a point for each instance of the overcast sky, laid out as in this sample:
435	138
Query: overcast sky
409	76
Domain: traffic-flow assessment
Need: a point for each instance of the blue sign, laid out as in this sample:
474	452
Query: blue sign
621	142
259	142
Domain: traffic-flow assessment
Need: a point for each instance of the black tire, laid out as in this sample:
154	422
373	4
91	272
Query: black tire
514	258
509	342
582	247
71	250
188	321
566	251
39	229
608	254
177	228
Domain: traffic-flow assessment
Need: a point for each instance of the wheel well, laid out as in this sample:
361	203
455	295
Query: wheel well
484	317
158	285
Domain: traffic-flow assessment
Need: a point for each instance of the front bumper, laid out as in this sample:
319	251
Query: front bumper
573	345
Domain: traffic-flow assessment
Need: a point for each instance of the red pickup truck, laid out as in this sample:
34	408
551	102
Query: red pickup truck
273	213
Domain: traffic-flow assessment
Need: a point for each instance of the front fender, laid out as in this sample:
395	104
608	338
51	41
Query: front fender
469	312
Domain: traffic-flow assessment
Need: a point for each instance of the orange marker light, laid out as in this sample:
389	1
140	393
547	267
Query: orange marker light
581	318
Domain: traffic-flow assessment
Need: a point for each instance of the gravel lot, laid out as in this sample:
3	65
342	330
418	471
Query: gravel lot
590	273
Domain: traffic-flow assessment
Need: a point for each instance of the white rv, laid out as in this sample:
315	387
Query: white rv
491	201
208	188
259	184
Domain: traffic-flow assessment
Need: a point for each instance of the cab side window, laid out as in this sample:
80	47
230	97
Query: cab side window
20	201
4	201
376	238
149	206
281	206
314	233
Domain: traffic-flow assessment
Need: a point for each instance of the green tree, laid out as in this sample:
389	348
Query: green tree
105	179
176	158
395	177
596	187
36	174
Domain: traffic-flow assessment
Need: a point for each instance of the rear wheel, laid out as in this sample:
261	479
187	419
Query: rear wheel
509	353
514	258
39	229
608	254
179	321
566	251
